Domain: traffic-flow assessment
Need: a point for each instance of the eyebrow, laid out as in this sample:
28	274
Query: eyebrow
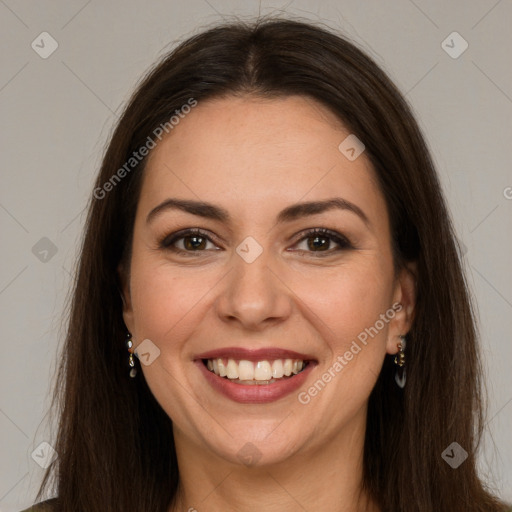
290	213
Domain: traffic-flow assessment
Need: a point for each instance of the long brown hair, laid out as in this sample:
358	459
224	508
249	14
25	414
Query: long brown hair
115	444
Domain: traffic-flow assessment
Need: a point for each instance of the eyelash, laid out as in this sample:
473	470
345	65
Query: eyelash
343	242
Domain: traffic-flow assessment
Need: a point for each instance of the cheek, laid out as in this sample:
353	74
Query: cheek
165	299
346	308
347	302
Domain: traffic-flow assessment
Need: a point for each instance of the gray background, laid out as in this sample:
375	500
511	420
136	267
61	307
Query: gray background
57	113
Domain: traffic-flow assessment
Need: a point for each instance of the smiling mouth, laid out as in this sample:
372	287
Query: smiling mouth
242	371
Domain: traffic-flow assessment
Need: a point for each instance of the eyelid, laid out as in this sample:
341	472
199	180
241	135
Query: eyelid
341	240
167	241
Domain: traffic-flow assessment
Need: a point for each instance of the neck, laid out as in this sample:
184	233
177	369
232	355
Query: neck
325	477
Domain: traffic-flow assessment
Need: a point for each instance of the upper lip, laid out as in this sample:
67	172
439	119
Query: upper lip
260	354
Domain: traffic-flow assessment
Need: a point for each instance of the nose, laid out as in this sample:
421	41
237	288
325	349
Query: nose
253	295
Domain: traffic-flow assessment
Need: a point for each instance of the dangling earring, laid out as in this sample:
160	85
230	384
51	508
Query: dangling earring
400	362
131	360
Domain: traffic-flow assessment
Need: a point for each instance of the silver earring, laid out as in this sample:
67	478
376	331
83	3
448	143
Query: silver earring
400	373
131	359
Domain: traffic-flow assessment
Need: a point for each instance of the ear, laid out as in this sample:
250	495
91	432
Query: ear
404	304
124	281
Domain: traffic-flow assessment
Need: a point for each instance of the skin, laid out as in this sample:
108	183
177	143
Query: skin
254	157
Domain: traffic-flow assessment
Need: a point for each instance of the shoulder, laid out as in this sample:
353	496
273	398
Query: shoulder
44	506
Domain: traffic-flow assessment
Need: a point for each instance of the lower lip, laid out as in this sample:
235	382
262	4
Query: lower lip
256	393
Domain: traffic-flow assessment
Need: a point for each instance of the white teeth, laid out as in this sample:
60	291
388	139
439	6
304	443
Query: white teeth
263	371
277	369
246	370
232	369
297	366
260	371
222	368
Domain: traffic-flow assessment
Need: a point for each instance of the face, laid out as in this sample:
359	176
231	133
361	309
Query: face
262	280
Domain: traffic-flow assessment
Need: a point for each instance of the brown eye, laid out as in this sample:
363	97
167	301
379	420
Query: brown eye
193	243
321	240
188	241
320	243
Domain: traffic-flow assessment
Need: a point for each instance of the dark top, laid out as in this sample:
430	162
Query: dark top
44	506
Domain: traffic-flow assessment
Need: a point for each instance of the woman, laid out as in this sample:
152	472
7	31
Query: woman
270	311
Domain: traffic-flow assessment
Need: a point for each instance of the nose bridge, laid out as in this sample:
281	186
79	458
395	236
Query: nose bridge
253	295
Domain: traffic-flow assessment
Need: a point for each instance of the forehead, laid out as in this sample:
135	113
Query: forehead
255	153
